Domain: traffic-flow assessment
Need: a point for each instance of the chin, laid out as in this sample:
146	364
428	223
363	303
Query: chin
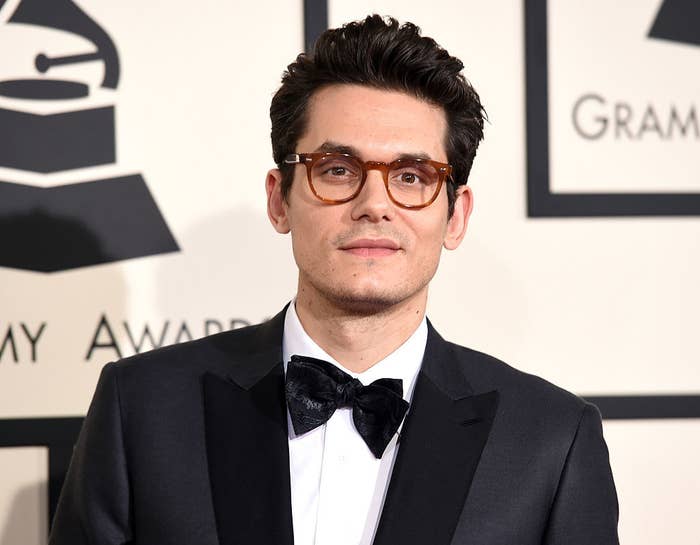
365	302
365	306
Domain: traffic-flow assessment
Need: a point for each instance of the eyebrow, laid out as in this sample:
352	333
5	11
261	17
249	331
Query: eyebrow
335	147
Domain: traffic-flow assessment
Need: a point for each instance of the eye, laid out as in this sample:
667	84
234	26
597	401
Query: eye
409	178
336	169
412	175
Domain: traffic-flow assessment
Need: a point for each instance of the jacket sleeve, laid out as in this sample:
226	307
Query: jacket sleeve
585	508
94	504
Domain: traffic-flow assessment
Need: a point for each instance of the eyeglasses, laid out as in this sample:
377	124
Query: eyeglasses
336	178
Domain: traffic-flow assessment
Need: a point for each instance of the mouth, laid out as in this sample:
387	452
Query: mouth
366	247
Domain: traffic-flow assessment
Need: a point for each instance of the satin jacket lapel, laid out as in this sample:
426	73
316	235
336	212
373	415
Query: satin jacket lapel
247	449
440	445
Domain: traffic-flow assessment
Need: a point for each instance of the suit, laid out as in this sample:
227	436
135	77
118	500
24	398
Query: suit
188	445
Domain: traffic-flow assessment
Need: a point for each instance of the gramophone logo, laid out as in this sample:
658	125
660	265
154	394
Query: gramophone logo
678	21
613	115
80	222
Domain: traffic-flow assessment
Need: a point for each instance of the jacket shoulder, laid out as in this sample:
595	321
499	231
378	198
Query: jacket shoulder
222	353
217	345
524	394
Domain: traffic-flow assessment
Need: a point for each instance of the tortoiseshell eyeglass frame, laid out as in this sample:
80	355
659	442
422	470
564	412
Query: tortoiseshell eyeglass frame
310	159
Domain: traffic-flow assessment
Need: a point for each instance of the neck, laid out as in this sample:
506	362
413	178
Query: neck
358	340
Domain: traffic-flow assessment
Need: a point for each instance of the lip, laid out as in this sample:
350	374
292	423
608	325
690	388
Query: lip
368	247
372	243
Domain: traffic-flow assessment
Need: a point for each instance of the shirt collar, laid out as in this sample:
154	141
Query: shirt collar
403	363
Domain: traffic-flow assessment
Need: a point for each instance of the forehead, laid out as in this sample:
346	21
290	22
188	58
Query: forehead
380	124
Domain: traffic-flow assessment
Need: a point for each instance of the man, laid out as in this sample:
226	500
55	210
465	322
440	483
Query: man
346	419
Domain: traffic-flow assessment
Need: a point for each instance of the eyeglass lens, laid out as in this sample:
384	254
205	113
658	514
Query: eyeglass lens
409	182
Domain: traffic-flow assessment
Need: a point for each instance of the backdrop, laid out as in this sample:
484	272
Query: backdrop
134	142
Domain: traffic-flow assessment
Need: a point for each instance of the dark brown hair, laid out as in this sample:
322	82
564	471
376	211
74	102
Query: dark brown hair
380	53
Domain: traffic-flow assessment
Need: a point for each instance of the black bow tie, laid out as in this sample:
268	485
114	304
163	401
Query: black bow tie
316	388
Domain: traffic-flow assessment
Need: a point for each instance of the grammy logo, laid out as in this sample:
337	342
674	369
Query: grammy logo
85	222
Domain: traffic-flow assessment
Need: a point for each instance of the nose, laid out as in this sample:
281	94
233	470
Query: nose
373	202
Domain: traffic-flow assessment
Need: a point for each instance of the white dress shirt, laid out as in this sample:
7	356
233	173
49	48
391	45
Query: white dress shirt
338	486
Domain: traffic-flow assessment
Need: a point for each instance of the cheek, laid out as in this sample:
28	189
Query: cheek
429	235
309	239
303	241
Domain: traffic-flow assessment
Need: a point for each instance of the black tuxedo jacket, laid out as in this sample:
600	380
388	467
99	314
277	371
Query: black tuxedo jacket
187	445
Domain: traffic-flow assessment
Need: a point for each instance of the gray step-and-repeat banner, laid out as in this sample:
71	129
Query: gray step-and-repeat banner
134	141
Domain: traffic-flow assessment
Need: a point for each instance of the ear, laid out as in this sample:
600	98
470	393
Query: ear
457	224
276	205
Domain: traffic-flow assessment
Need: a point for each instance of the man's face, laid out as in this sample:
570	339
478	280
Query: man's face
368	254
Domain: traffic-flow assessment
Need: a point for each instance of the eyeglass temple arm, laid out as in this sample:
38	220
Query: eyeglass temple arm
294	158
